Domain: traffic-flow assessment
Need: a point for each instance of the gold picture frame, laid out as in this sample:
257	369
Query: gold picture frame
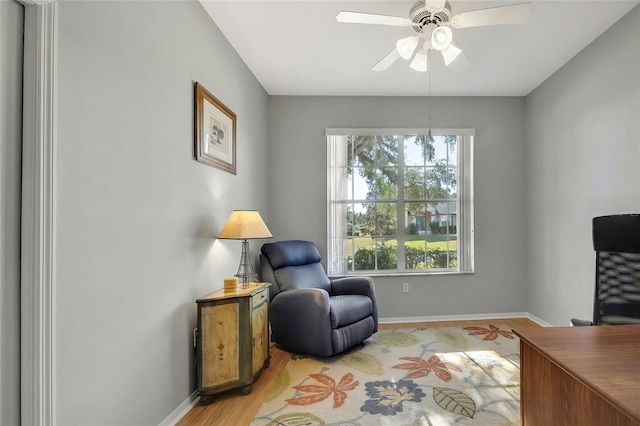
215	131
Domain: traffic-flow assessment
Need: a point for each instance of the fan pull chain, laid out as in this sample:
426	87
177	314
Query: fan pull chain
429	96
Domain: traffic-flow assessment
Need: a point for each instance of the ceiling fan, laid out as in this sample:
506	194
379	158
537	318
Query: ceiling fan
432	20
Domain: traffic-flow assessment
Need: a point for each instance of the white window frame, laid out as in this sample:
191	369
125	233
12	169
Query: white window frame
337	190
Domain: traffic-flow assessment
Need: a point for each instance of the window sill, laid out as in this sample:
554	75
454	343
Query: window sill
405	274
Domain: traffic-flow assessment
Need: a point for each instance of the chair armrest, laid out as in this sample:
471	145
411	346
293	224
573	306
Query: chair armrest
356	285
352	285
579	323
303	301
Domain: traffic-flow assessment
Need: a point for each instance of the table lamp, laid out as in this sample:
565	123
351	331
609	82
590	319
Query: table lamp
245	225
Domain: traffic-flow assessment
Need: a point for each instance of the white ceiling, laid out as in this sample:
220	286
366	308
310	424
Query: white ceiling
296	47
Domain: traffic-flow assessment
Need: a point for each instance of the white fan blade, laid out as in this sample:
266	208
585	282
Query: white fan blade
370	18
386	62
434	6
513	14
460	65
450	54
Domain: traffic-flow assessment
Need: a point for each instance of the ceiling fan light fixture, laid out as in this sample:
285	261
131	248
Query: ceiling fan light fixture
419	62
441	37
406	46
450	53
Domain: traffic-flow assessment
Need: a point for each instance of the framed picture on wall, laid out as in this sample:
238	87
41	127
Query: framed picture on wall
215	132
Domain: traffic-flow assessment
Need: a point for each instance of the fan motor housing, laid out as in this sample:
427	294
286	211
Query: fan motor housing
421	17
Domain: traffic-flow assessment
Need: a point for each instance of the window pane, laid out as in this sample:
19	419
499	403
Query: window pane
386	255
440	258
373	254
442	243
382	218
416	222
416	230
373	151
376	255
451	217
437	182
375	242
414	180
360	221
364	258
415	254
386	152
349	253
357	185
417	150
453	149
349	221
444	215
441	149
360	147
452	183
381	184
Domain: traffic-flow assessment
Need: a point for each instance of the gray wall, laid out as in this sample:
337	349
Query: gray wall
297	179
11	25
583	151
137	217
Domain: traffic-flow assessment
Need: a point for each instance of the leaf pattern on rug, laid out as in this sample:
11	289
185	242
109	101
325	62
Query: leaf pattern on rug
297	419
327	387
422	368
364	362
454	401
391	398
492	332
452	338
396	338
386	397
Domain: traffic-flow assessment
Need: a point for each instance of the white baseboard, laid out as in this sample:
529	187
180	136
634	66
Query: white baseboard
465	317
182	410
539	320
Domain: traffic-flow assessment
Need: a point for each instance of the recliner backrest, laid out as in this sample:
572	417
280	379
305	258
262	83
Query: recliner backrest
292	264
616	240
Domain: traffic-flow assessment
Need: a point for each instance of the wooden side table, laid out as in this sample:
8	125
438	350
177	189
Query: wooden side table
232	339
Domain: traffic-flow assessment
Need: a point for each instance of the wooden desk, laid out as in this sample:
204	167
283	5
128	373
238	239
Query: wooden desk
580	376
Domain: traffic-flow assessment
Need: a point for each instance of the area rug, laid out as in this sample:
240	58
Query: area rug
430	376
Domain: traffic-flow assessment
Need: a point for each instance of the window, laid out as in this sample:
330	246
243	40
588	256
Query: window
400	201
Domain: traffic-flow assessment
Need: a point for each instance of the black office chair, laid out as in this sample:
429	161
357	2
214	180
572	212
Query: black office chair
616	240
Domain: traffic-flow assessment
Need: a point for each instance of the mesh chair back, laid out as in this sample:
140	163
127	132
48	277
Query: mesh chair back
616	240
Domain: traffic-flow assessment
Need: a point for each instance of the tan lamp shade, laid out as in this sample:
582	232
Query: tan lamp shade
245	225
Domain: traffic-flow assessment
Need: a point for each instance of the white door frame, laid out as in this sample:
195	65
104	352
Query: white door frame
38	308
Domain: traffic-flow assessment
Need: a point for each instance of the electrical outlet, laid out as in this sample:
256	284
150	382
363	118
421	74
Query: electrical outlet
405	288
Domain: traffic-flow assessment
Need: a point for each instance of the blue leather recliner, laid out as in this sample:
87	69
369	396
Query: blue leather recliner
310	312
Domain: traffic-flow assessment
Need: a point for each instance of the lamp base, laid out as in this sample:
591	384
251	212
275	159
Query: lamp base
246	274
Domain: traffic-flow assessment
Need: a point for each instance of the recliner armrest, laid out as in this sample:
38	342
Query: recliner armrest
351	285
356	285
302	301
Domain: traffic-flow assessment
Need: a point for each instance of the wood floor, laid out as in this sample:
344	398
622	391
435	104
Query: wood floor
234	409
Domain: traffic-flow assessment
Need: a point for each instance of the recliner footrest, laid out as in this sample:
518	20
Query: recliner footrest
346	337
